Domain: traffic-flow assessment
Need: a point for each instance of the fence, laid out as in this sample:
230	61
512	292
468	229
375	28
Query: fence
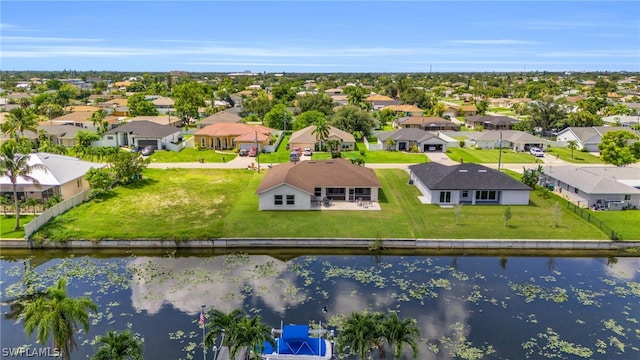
54	211
587	215
274	146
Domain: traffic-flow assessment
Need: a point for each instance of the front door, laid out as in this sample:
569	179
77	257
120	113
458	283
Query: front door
352	194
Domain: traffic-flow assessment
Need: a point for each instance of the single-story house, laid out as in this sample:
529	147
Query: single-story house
588	137
622	120
460	110
64	176
380	101
405	110
163	104
466	184
31	135
595	186
513	139
433	123
302	185
64	135
406	138
77	118
140	134
224	136
305	138
490	122
219	117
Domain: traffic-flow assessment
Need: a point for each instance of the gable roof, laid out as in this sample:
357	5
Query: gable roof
309	174
405	108
160	119
63	131
593	134
306	135
60	169
74	116
597	180
495	120
468	176
144	128
514	136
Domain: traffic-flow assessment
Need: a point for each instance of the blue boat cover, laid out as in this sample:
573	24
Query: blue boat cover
295	340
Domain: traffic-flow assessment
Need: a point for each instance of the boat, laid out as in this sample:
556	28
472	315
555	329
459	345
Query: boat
298	342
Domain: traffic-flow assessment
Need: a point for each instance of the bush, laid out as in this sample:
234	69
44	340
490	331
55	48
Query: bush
362	152
584	149
461	143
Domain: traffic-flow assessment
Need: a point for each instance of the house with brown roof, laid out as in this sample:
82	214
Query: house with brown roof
380	101
303	185
225	136
305	138
432	123
405	110
460	110
163	104
219	117
80	119
160	119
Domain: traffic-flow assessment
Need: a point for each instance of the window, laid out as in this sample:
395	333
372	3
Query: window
291	199
277	199
445	196
79	182
575	190
465	193
203	142
487	195
109	137
317	192
627	197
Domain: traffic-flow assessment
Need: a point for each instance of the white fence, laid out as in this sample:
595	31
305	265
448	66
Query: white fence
54	211
274	147
372	147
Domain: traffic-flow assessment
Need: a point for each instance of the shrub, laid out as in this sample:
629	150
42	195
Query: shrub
362	152
461	143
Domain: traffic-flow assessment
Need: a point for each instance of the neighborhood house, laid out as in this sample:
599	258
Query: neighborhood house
306	184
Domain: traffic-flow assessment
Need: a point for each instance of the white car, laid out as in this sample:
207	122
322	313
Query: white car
537	152
307	152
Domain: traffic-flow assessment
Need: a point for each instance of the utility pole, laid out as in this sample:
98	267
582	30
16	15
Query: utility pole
257	152
500	151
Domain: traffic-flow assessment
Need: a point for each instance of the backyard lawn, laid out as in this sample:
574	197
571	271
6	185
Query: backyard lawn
579	157
379	157
210	203
8	222
490	156
624	222
191	155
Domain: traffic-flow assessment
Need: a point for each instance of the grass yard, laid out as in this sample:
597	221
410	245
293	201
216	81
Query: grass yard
280	156
8	222
209	203
191	155
624	222
491	156
377	157
579	157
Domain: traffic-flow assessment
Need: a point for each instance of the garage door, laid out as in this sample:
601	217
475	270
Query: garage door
143	143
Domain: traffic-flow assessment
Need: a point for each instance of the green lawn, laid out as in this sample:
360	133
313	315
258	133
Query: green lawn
579	157
8	222
490	156
211	203
281	155
191	155
624	222
377	157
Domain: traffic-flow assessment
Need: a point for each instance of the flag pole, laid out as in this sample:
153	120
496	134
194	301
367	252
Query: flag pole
201	322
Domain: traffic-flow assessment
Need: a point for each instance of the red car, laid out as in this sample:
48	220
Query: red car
253	152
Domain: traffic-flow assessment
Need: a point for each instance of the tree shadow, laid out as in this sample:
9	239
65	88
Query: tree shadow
382	197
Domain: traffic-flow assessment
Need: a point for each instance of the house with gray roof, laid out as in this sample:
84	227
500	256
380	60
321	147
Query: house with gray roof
588	137
466	184
301	186
490	122
595	186
64	176
140	134
64	135
513	139
622	120
406	138
219	117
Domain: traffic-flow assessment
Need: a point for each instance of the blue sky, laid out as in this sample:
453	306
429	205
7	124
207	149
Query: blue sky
323	36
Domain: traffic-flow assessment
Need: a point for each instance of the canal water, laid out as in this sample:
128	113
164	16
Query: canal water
467	307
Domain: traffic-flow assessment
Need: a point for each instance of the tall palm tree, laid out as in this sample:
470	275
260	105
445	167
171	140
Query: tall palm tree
250	334
572	145
400	332
119	346
321	131
360	333
55	314
97	118
389	143
18	120
221	324
14	165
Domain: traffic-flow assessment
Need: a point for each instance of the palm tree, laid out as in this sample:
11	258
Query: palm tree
400	332
572	145
119	346
221	324
360	333
18	120
321	131
31	202
14	166
389	143
250	334
97	118
55	314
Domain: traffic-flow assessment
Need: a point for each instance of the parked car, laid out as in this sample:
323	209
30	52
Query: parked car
148	150
307	152
294	157
537	152
243	152
298	151
254	151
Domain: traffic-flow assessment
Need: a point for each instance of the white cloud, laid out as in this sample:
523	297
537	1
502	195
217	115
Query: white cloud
35	39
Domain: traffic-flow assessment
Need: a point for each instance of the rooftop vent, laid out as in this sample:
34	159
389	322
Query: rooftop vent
482	170
463	170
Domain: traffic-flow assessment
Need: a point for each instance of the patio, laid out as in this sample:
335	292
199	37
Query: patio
346	205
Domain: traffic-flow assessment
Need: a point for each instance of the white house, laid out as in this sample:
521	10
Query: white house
302	185
140	134
466	184
588	137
